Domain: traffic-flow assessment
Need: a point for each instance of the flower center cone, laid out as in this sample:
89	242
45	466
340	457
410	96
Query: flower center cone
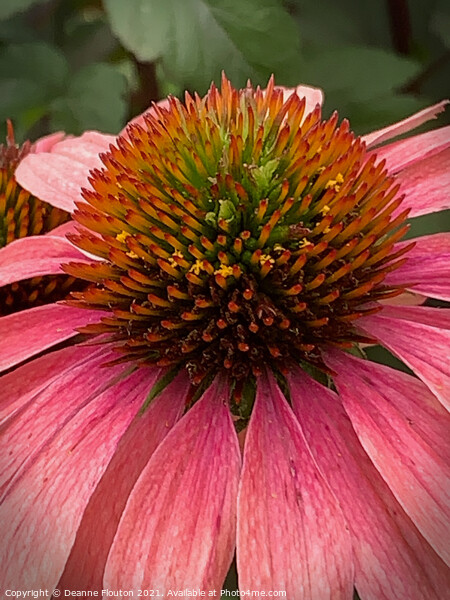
236	231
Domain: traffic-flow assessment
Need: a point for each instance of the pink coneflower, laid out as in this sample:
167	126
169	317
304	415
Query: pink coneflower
238	253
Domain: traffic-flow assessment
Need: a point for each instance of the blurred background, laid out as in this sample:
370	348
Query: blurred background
86	64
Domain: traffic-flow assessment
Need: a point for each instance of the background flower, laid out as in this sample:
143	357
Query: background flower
33	247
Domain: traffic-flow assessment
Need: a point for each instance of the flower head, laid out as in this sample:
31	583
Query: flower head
238	252
237	232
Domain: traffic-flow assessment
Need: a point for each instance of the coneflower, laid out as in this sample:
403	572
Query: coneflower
238	253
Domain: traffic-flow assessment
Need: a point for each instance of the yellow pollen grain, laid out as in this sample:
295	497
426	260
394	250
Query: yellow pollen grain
196	267
266	258
335	183
326	209
278	247
224	270
173	262
327	230
304	243
121	237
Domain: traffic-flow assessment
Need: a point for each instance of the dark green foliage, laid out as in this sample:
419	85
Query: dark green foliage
82	64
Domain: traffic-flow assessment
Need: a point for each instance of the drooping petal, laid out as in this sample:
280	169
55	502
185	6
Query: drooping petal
26	432
420	314
21	385
46	143
178	528
405	153
392	131
44	506
415	472
31	331
427	266
291	533
425	185
35	256
86	563
421	346
59	175
85	148
392	559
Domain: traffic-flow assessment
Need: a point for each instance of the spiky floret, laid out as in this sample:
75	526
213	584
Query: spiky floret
36	291
236	231
23	215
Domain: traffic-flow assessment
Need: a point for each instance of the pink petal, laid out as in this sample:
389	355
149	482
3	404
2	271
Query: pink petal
405	153
387	133
404	454
20	386
421	346
35	256
85	566
392	559
427	266
426	184
291	534
86	148
312	95
58	176
44	507
420	314
31	331
46	143
64	229
42	412
178	528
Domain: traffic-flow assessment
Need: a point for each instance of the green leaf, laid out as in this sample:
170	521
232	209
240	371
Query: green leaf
429	224
440	23
34	62
11	7
32	75
199	38
358	73
95	99
88	41
422	15
247	39
16	31
18	96
142	25
345	22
